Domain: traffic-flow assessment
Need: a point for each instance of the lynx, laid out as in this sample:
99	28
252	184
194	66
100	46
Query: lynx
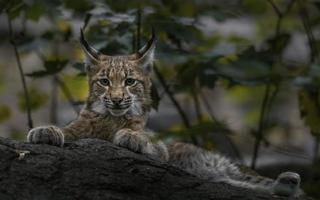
117	110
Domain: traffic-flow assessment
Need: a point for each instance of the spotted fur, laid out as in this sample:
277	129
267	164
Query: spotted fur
117	110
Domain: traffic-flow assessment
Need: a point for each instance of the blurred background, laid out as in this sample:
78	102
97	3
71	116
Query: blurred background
240	77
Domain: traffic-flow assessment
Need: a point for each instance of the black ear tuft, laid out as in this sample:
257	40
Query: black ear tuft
92	54
146	53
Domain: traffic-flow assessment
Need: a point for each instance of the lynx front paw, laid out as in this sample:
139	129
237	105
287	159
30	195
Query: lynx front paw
46	135
287	184
133	140
139	142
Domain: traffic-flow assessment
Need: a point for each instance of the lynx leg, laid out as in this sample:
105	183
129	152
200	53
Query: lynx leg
139	142
46	135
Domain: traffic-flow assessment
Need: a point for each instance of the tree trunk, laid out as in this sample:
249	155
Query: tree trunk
96	169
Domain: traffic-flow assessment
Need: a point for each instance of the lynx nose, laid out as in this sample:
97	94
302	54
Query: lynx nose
116	101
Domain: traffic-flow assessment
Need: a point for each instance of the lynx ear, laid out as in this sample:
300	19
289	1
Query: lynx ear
92	55
145	55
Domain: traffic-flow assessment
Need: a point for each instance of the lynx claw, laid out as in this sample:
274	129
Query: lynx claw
287	184
46	135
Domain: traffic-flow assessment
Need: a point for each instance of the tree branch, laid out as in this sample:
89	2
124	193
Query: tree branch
196	101
259	136
93	169
275	8
267	100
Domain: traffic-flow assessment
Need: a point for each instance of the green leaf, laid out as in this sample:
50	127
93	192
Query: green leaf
80	67
310	110
48	35
36	97
5	113
244	72
176	30
55	65
38	74
114	47
77	85
78	6
34	11
185	9
126	6
208	80
13	8
255	6
51	67
278	44
188	72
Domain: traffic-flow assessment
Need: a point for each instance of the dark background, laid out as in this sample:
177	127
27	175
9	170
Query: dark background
239	77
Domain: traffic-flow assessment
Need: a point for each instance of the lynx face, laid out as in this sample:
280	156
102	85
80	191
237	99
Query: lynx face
119	85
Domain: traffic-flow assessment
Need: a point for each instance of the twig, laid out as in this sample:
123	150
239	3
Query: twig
197	108
267	100
306	24
259	136
281	15
265	103
271	100
196	101
23	80
176	104
198	112
275	8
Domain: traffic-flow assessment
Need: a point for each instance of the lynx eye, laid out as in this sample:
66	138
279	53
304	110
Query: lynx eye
104	82
129	81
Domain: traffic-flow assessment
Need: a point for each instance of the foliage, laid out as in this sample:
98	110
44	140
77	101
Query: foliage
37	99
5	113
78	85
